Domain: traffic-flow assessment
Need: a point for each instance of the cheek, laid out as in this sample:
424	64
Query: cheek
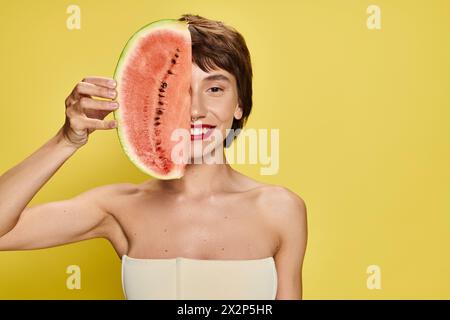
226	120
224	109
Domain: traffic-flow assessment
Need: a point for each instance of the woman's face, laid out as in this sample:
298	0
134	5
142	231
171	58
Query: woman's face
214	99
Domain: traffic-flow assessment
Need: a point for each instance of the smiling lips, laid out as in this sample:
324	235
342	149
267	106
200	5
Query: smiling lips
201	131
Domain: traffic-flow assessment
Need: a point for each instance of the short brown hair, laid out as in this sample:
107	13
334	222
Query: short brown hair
216	45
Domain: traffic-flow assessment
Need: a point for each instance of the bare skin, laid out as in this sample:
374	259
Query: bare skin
213	212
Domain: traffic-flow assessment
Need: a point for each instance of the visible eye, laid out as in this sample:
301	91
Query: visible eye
215	89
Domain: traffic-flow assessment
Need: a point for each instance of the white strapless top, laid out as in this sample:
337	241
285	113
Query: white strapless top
196	279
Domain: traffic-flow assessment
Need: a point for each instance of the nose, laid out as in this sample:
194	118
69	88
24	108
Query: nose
198	110
196	118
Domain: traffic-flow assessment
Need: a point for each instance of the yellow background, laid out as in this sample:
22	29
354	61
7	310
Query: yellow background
363	118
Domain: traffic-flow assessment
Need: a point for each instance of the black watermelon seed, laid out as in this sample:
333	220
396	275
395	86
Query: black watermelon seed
159	112
160	103
169	71
162	90
161	95
176	55
157	123
173	61
164	84
178	50
157	118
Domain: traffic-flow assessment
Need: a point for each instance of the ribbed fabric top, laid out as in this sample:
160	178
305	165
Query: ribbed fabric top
197	279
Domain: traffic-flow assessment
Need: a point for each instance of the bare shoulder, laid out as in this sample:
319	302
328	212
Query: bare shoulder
282	203
285	211
277	201
113	199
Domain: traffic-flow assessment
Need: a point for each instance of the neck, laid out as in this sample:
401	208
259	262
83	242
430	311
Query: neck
201	179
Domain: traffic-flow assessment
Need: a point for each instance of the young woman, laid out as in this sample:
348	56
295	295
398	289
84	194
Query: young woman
213	234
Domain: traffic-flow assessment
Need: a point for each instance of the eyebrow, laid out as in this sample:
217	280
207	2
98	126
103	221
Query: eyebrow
217	77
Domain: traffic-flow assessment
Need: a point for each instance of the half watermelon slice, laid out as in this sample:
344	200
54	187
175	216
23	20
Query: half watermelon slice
153	80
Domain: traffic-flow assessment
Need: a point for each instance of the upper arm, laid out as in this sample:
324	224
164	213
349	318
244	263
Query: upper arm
60	222
290	219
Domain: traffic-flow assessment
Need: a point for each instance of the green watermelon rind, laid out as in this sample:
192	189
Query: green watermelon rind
148	28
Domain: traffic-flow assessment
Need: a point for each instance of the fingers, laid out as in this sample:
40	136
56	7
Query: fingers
89	103
102	87
96	124
84	112
81	123
89	89
101	81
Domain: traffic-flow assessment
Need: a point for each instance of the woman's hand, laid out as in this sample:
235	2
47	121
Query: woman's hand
84	113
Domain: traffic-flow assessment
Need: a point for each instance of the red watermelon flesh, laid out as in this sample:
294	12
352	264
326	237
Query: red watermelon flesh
153	80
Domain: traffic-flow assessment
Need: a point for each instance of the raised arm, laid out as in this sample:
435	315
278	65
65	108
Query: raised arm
55	223
64	221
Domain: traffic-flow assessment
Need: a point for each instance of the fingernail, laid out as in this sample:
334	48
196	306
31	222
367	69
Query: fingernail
112	93
113	83
113	124
114	105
